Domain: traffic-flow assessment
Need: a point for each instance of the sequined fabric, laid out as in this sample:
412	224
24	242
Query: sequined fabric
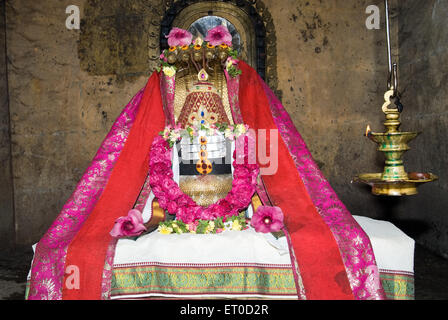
204	104
207	189
183	85
168	87
232	88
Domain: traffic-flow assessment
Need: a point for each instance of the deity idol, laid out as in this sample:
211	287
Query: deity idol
183	150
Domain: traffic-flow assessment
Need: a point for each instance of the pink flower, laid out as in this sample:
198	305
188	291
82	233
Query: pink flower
161	168
179	37
155	180
224	204
241	195
219	35
168	184
232	61
193	226
158	158
158	191
172	207
163	202
174	193
159	153
159	148
189	214
267	219
185	201
241	172
216	211
129	226
208	214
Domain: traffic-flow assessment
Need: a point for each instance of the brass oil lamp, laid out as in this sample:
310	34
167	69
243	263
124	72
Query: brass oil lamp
394	180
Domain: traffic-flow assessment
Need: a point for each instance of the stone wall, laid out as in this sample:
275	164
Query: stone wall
333	74
66	88
60	112
7	237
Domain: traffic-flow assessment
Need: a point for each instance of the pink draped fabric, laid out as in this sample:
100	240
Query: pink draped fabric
353	242
167	86
47	270
232	91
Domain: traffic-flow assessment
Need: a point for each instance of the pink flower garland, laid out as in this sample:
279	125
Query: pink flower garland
171	197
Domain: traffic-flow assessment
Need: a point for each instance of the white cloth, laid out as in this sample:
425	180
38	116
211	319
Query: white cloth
229	246
393	249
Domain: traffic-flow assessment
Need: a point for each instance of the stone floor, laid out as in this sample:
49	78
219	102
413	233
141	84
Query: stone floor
431	275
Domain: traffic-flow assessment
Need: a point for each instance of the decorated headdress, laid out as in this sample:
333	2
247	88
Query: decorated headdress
215	49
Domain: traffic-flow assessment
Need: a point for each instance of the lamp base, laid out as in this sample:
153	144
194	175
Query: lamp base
403	187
